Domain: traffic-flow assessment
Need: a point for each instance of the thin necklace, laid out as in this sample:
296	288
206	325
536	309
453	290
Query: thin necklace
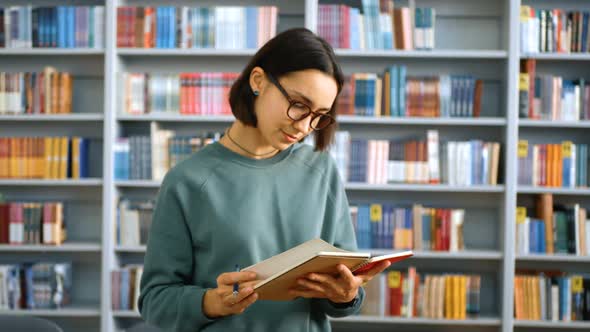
243	149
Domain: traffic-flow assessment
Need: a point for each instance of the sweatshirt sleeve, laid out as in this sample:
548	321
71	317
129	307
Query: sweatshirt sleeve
167	298
338	230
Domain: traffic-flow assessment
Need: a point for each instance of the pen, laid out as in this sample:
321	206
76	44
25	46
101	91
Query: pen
236	285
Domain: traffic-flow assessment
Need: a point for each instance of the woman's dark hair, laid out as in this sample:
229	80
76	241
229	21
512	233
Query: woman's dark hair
289	51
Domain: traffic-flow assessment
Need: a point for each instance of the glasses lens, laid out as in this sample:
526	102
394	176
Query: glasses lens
321	122
298	111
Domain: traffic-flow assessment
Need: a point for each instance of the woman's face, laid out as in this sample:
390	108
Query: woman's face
311	87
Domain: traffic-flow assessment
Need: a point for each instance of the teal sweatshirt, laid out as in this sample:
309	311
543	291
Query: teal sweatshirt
218	209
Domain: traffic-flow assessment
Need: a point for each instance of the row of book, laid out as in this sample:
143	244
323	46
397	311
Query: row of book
41	285
385	226
222	27
378	24
553	30
571	229
551	97
44	157
410	294
563	164
46	92
552	228
32	223
367	94
396	94
416	160
61	26
150	157
125	284
134	219
551	296
204	93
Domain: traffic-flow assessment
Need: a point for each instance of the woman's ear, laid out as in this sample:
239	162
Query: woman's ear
257	80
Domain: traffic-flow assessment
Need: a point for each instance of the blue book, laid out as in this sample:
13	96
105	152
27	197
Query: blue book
125	289
402	91
541	237
159	24
251	27
29	296
355	41
533	236
393	91
61	26
71	27
172	27
370	95
426	231
84	157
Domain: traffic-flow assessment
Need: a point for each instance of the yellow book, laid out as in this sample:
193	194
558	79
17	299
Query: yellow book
63	158
75	157
47	152
55	157
456	297
448	308
463	297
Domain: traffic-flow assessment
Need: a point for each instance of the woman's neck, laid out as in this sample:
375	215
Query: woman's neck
247	141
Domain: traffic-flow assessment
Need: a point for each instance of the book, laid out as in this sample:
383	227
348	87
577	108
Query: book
279	273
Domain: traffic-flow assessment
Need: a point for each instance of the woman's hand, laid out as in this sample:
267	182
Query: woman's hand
340	289
220	301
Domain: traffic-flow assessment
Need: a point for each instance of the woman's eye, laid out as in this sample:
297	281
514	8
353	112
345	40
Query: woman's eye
299	105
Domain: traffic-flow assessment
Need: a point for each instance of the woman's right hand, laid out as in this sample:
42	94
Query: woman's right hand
220	301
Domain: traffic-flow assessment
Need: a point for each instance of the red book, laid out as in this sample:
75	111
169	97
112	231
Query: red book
396	296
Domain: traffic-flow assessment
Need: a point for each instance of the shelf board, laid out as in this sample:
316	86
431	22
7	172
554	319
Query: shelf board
426	54
583	325
344	119
137	183
424	187
125	51
553	190
562	258
130	249
357	186
52	117
459	255
553	124
66	247
41	182
126	314
51	51
70	311
557	56
418	321
176	118
447	121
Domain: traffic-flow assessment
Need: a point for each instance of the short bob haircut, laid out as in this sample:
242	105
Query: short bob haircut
292	50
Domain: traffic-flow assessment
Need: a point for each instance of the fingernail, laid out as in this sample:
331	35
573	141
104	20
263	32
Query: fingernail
247	290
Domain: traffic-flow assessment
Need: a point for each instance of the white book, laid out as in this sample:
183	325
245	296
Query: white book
554	303
279	273
457	219
99	26
129	226
543	297
433	157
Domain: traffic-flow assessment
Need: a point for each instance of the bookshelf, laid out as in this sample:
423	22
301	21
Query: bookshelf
479	37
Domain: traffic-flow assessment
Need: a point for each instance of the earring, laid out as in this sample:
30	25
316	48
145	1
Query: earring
256	93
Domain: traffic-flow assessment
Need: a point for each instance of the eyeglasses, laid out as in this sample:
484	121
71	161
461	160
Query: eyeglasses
298	111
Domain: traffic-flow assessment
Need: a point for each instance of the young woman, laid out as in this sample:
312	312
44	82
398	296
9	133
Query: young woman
256	193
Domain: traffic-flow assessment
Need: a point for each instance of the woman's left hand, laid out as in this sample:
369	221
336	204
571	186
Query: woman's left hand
338	289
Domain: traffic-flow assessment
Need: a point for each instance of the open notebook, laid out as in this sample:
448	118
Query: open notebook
279	273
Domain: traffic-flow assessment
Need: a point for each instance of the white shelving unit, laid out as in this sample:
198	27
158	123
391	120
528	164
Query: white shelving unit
479	37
